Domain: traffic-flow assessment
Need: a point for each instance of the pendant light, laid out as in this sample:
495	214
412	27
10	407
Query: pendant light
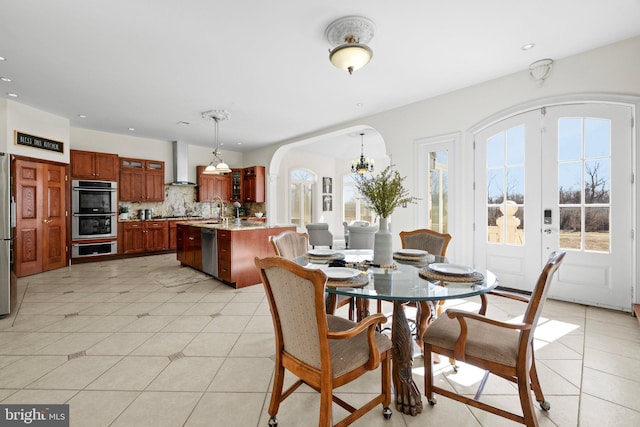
217	165
362	165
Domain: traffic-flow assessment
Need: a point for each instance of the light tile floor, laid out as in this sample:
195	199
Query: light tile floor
145	342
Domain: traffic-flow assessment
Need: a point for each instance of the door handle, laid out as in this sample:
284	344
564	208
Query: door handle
47	221
548	230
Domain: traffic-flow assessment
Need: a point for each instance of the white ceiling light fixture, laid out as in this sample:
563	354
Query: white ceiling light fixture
217	165
349	37
539	70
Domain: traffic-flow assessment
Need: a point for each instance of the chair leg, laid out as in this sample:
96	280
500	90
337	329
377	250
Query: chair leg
428	375
276	394
326	401
535	385
526	402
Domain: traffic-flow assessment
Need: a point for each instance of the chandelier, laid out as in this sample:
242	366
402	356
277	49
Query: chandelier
362	165
349	36
217	165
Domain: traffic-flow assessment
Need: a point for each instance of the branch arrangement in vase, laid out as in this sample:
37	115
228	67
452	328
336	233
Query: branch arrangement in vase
384	192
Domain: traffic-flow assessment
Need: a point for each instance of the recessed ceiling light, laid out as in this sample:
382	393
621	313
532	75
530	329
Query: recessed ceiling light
5	79
12	95
131	129
239	143
82	116
2	58
528	46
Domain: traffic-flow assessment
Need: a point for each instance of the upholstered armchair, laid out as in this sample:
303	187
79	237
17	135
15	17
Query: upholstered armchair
323	351
361	236
319	235
346	225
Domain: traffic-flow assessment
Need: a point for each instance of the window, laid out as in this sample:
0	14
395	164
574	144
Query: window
439	195
354	208
584	176
505	186
301	197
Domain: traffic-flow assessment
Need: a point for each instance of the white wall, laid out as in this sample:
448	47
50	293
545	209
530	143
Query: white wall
613	69
25	119
146	148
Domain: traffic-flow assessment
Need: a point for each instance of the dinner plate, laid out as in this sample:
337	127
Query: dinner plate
322	252
413	252
455	269
341	273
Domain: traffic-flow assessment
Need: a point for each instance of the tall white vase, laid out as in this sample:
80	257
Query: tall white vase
382	245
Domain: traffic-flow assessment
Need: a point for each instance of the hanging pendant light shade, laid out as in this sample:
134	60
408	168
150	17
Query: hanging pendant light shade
349	36
217	165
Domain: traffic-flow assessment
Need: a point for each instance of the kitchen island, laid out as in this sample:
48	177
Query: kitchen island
226	252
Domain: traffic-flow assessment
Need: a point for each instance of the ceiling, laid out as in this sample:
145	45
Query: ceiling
152	64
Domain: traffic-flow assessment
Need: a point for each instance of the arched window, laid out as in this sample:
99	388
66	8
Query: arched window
301	197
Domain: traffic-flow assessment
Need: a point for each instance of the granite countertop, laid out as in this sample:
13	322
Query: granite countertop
244	225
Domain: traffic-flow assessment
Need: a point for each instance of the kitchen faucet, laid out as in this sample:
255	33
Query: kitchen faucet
221	211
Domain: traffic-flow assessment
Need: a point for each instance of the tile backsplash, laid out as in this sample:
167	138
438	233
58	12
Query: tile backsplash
181	201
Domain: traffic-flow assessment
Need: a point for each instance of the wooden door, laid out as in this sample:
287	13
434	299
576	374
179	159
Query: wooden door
54	230
41	222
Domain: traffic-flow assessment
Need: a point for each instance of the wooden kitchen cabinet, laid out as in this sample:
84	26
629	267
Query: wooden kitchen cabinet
189	250
141	180
144	236
236	185
253	182
93	165
212	186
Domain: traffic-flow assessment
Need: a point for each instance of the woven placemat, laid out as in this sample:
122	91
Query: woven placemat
429	274
324	258
416	259
359	281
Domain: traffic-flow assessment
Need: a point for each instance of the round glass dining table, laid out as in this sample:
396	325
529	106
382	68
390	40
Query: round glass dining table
400	285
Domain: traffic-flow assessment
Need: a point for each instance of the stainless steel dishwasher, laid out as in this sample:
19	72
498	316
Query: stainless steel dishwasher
210	251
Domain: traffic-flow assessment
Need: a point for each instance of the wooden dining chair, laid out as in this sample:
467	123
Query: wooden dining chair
435	243
290	244
322	350
501	348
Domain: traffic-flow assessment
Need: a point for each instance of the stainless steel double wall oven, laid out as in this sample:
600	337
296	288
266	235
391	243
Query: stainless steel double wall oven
95	209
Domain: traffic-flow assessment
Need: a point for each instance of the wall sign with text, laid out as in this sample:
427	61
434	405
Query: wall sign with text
38	142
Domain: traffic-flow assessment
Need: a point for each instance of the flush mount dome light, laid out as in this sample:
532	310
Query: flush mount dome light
349	36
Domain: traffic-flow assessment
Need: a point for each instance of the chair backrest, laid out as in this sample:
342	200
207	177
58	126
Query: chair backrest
319	234
539	294
290	244
296	300
362	237
428	240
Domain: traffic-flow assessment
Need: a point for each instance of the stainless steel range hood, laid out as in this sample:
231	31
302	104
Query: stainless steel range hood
181	164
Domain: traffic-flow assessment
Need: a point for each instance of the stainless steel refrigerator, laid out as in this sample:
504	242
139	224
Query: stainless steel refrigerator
7	227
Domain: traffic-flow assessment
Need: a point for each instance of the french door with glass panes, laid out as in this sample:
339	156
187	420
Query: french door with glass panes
558	178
